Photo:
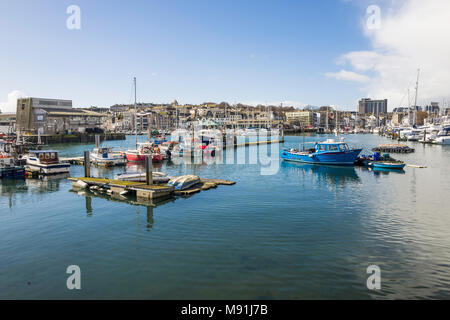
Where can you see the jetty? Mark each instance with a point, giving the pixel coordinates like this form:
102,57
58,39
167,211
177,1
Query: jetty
141,189
254,143
73,160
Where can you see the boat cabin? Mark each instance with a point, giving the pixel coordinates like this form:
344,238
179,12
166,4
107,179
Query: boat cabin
102,152
331,145
44,156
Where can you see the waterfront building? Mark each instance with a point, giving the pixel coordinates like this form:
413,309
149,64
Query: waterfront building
369,106
54,116
7,122
304,119
433,108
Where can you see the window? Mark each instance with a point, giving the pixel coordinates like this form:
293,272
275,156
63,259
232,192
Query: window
322,147
332,147
40,118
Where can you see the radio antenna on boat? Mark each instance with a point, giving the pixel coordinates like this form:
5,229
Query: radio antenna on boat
135,114
415,99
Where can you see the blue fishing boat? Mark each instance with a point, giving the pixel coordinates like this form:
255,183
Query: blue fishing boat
327,152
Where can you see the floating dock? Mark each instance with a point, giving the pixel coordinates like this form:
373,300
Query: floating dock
393,148
73,160
141,189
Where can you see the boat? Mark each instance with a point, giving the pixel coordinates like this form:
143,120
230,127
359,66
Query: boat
443,137
327,152
105,156
8,169
387,164
45,162
184,182
158,177
144,149
414,135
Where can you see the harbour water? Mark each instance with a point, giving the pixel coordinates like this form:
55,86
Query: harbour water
305,232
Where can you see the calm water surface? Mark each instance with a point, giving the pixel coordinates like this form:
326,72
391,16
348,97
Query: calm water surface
305,232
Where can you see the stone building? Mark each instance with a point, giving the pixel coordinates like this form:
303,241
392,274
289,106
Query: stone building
54,116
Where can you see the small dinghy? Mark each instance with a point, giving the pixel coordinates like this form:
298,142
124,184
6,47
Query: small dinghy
158,177
387,164
184,182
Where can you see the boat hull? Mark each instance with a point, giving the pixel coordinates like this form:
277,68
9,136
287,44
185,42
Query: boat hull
345,158
108,162
12,172
50,169
133,157
387,166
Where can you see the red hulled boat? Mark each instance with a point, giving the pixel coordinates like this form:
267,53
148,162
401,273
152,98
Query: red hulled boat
144,150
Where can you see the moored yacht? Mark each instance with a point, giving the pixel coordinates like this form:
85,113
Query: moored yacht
107,157
8,167
46,162
144,149
443,137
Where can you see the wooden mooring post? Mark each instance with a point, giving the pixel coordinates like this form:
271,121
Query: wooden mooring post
97,141
148,170
87,169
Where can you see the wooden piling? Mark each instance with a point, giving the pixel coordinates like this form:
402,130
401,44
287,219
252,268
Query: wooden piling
87,169
148,170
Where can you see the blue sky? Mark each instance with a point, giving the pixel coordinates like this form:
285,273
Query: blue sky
193,51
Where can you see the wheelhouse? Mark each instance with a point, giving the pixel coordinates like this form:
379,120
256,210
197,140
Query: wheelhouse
331,147
44,156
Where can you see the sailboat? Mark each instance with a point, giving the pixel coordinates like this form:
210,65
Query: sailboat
142,150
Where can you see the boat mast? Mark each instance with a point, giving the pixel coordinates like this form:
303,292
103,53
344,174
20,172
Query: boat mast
135,114
415,100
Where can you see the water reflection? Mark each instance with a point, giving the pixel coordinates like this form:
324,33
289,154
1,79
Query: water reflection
150,204
338,175
12,188
384,171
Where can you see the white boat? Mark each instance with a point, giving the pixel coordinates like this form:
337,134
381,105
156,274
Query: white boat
184,182
46,162
105,156
415,135
158,177
443,137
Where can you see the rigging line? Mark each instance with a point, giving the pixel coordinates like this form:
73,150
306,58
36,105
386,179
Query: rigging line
409,85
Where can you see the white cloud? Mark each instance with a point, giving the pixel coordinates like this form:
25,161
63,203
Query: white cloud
347,75
11,104
413,34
